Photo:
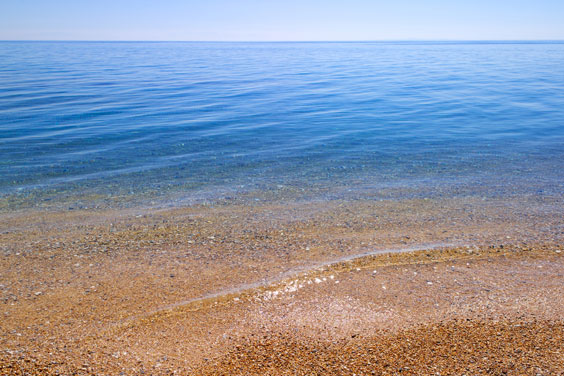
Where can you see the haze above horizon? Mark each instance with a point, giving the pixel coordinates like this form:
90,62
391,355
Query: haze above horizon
291,20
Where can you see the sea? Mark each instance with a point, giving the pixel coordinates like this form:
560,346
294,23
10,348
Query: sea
93,125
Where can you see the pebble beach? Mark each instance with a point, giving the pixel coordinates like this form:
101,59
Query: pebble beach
181,291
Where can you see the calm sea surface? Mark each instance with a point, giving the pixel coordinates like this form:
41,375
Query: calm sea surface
109,124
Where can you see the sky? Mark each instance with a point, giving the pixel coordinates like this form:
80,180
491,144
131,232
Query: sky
281,20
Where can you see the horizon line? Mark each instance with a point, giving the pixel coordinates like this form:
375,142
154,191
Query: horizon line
294,41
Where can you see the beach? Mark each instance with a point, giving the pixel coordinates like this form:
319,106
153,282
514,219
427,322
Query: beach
282,208
302,288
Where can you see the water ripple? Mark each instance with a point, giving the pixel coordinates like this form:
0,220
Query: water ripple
77,116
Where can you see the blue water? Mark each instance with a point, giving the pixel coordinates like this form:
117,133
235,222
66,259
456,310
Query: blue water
103,123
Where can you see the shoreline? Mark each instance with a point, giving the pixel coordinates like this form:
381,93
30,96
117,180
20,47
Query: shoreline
266,323
121,291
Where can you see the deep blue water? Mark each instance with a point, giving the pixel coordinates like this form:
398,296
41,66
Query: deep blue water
111,121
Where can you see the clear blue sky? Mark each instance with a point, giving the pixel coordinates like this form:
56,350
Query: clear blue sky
250,20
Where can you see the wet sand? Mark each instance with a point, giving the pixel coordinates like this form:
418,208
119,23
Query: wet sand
301,288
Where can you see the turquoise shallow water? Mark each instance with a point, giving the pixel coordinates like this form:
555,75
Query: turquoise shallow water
99,124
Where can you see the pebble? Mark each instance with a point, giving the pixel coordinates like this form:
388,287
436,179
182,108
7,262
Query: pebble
453,348
144,244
